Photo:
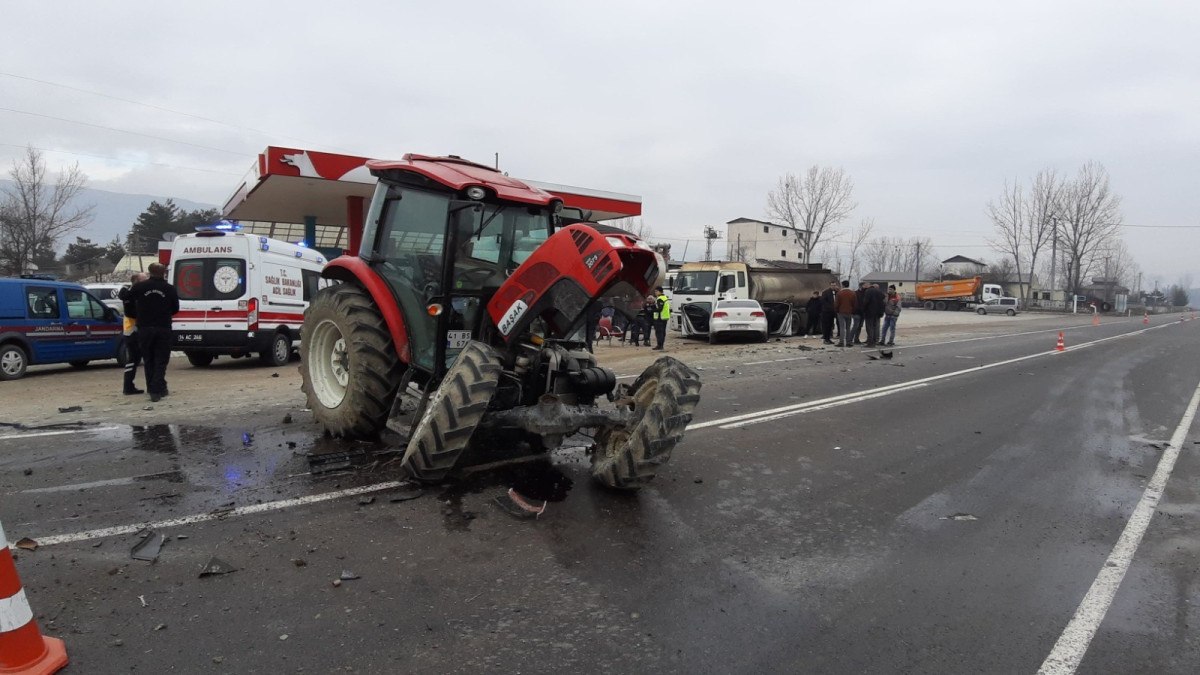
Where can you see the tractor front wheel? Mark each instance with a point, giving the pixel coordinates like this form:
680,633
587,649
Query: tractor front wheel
662,400
348,362
452,413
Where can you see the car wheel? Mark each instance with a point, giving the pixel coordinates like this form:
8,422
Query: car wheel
13,362
1011,312
279,353
981,311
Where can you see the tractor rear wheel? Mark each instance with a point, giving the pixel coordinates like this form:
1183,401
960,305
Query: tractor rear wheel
348,362
452,413
662,400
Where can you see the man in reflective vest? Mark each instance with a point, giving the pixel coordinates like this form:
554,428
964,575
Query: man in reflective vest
662,314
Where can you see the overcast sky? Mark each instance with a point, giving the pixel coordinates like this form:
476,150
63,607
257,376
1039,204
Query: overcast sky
698,107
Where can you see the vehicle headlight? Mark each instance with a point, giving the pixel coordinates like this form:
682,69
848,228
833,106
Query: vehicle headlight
615,242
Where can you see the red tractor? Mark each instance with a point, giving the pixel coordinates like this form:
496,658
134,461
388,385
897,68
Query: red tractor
469,298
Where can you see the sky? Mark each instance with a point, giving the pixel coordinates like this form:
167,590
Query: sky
698,107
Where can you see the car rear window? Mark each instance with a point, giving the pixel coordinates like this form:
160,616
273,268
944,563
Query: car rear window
745,304
210,278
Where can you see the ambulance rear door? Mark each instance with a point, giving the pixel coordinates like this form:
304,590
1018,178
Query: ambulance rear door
212,277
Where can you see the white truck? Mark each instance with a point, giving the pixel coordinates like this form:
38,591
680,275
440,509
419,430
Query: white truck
782,289
241,294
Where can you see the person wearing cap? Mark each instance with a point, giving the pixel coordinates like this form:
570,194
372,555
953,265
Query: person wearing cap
155,301
662,314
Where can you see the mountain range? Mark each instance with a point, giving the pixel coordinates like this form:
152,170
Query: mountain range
113,213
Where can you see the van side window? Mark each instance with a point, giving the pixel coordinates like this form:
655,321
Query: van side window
80,305
43,302
312,284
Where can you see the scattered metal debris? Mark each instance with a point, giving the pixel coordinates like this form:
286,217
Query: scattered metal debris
347,575
149,547
216,566
517,506
71,409
959,516
27,544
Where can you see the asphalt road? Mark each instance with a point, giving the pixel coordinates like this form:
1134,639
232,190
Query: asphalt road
943,511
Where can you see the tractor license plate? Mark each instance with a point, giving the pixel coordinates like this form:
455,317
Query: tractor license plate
457,339
738,326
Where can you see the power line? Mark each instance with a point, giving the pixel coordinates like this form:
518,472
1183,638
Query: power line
1169,227
239,153
119,159
164,109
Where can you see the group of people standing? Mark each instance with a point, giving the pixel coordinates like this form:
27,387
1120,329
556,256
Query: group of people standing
641,319
850,311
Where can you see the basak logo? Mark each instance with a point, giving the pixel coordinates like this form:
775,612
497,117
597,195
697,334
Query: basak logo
187,250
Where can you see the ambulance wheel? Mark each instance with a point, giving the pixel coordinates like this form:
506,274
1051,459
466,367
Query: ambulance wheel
123,353
452,413
199,359
13,362
348,362
80,364
280,351
661,401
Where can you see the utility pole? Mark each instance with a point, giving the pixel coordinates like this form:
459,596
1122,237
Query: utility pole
497,161
1053,251
1107,282
710,234
917,265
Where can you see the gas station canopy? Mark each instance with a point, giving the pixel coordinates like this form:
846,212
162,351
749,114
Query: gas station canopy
289,185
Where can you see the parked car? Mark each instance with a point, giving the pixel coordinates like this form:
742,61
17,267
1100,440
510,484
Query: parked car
45,321
999,306
744,318
107,293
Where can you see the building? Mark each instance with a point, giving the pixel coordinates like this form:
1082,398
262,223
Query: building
904,281
964,267
750,239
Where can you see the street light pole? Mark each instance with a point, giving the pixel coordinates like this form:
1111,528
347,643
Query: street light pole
1053,251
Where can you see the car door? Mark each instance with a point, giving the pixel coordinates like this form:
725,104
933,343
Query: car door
89,335
47,333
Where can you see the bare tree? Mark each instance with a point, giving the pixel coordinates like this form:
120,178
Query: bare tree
34,216
893,254
1003,271
1040,213
1089,218
635,226
858,236
813,203
1008,216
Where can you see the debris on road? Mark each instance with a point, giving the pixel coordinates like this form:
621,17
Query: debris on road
216,566
142,598
299,562
959,516
247,439
287,419
149,547
161,626
27,544
517,506
408,493
28,472
71,409
364,501
347,575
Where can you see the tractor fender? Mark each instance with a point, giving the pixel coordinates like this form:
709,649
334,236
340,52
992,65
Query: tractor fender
355,270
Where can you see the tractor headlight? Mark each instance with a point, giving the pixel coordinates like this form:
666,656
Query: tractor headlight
476,193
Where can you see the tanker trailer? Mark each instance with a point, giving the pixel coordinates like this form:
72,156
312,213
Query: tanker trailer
781,288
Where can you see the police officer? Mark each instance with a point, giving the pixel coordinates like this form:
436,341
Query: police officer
155,302
133,350
662,314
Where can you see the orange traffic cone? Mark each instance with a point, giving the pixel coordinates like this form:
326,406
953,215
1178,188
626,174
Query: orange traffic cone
1060,346
1095,319
23,649
1146,319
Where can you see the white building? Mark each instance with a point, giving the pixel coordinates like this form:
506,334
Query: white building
750,239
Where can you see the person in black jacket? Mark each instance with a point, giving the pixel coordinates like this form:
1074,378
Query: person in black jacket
828,311
155,302
873,302
133,350
813,311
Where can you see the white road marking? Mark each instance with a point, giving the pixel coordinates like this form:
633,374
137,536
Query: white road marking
126,480
81,430
854,397
1067,653
794,358
218,515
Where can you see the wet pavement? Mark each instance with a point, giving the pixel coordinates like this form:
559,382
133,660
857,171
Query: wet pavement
953,526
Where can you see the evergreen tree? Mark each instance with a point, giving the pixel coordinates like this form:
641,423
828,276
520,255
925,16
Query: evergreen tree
114,251
151,225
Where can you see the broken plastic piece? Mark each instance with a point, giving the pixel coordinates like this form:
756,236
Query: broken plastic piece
517,506
347,575
959,516
216,566
149,547
70,409
27,544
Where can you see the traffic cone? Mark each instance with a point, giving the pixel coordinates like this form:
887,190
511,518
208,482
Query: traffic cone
1060,346
1146,319
1095,319
23,648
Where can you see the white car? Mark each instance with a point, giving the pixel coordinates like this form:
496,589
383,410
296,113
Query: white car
999,306
737,317
107,293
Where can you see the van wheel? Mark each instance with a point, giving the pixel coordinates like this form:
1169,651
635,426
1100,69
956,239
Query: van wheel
13,362
279,353
981,311
1011,312
199,359
80,364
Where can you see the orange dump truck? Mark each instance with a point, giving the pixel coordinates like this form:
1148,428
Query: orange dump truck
956,294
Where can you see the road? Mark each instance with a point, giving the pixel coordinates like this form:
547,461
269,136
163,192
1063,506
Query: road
947,510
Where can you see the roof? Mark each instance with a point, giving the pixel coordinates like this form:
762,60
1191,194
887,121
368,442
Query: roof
739,221
964,259
457,173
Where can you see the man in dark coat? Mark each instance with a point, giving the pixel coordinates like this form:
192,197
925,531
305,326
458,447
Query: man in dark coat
812,310
155,302
828,311
872,309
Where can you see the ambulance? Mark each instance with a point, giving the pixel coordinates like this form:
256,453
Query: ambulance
241,294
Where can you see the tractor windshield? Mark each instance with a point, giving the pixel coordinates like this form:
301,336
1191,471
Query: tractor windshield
500,238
